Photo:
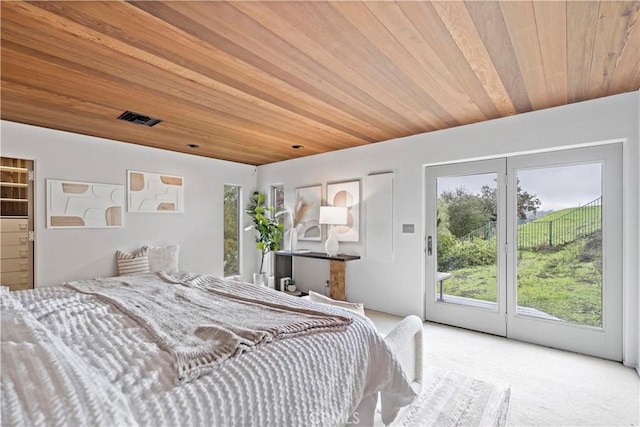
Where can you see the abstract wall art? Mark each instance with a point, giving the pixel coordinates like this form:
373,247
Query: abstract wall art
346,194
73,204
155,192
307,213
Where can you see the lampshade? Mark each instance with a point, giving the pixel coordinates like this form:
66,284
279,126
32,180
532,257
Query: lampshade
333,215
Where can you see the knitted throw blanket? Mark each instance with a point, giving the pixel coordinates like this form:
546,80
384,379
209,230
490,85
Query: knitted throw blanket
203,326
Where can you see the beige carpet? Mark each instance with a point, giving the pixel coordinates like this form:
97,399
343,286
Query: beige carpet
548,387
450,399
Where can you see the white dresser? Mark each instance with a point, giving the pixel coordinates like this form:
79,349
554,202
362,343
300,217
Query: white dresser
14,253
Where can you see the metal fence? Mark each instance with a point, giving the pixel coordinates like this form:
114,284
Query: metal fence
567,228
485,232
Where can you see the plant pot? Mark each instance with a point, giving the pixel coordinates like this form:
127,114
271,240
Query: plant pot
291,288
259,278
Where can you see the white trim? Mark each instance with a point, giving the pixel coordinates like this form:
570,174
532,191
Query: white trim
631,253
527,152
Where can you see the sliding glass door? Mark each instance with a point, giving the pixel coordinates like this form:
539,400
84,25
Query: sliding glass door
529,247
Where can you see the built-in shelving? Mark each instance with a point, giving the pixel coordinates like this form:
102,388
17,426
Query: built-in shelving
6,199
14,187
13,169
16,223
13,184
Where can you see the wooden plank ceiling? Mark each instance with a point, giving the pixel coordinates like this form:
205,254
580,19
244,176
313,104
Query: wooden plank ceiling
247,80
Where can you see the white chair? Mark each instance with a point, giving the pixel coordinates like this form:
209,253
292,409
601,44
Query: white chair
405,340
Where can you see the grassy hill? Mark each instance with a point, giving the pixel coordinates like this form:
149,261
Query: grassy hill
559,266
555,228
551,216
560,227
565,283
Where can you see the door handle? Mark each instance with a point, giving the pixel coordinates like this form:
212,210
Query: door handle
429,246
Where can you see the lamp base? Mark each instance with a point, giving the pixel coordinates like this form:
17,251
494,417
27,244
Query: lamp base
331,245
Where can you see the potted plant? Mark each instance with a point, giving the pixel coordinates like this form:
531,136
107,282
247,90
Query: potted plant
291,286
296,219
269,230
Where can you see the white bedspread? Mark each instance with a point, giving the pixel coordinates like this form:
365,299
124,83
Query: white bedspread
202,339
45,383
309,380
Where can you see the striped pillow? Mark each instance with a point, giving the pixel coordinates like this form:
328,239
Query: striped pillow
135,263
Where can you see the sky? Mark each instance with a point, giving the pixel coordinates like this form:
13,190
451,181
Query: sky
557,187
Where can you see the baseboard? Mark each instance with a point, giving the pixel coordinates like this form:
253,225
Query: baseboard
636,367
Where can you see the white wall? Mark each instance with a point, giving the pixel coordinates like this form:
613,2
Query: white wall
397,287
71,254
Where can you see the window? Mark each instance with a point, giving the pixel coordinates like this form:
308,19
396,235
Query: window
231,230
277,201
277,198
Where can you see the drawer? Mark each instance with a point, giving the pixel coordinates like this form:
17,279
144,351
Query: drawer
17,238
14,224
14,251
18,278
16,264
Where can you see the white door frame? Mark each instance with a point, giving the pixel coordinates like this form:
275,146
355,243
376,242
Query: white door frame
480,319
605,342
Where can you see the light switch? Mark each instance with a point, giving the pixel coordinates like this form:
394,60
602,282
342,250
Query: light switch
408,228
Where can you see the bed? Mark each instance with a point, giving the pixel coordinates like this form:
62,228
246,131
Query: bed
72,356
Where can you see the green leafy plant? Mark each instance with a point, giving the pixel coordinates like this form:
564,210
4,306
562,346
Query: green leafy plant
462,254
269,229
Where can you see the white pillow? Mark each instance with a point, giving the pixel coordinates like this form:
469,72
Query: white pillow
355,307
132,263
163,258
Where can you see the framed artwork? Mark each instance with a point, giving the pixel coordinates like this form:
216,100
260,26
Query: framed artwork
346,194
155,192
73,204
307,213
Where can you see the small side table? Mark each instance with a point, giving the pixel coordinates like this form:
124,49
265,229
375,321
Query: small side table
337,270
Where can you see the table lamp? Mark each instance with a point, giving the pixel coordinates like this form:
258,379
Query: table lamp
332,216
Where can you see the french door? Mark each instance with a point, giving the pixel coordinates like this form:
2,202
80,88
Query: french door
529,247
458,219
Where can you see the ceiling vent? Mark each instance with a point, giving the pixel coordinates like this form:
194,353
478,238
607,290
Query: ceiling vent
139,119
